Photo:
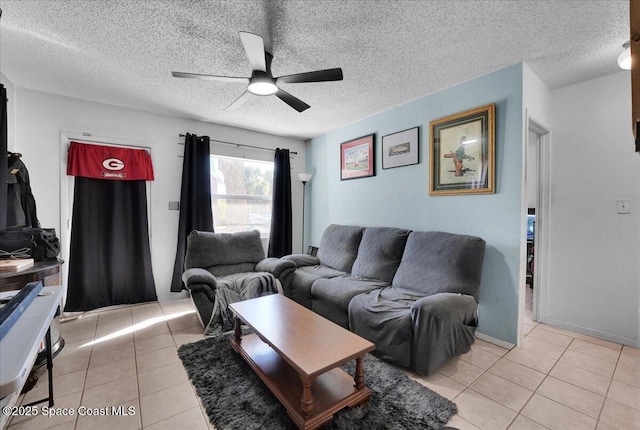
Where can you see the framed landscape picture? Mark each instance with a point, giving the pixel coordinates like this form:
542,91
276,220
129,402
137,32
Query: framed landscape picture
462,148
357,158
400,149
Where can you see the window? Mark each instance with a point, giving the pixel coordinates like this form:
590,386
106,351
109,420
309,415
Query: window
241,195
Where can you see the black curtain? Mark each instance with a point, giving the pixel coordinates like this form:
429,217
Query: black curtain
195,199
109,259
280,236
3,150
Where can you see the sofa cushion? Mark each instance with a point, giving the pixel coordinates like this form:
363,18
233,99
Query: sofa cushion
340,290
437,262
206,249
380,252
339,246
297,285
331,297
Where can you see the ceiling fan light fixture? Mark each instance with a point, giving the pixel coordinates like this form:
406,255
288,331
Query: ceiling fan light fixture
262,87
624,60
262,82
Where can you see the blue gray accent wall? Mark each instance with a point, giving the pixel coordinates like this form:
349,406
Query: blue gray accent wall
399,197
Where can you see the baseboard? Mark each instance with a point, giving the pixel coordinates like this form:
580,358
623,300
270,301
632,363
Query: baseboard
493,340
184,294
622,340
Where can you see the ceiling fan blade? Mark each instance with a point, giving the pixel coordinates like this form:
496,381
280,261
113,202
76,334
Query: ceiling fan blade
317,76
239,101
254,47
292,101
210,77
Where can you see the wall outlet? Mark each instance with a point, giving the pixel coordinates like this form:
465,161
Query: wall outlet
624,206
174,206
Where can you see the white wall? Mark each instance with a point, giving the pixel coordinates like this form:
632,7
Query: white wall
594,270
536,96
42,117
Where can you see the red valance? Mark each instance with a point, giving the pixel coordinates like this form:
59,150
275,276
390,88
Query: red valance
109,162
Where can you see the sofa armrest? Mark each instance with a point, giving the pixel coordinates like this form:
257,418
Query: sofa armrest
444,325
200,283
275,266
195,276
302,260
457,307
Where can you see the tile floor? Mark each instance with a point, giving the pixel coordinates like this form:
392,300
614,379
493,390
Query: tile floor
555,380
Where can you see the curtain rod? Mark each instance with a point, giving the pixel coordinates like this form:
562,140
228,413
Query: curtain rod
239,144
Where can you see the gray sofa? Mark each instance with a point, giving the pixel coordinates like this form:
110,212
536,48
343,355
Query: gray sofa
414,294
223,268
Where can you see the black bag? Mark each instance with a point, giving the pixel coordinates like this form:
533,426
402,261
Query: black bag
28,242
47,244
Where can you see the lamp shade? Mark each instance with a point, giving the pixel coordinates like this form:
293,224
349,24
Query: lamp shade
624,60
305,177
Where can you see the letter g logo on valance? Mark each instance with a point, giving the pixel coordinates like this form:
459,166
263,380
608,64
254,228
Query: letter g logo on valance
113,164
90,160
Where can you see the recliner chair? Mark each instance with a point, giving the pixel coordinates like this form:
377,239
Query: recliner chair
223,268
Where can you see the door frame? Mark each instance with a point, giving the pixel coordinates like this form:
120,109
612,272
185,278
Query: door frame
541,237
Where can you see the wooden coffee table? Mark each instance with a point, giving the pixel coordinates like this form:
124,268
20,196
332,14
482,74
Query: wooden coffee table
297,354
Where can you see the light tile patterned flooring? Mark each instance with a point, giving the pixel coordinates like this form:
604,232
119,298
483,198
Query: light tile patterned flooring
555,380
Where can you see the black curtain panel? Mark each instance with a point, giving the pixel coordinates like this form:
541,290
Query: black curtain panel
280,238
195,199
109,259
3,150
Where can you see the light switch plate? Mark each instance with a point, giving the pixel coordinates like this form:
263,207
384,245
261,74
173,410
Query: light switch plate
624,206
174,206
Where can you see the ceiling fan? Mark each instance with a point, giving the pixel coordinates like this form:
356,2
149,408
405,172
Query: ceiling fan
262,82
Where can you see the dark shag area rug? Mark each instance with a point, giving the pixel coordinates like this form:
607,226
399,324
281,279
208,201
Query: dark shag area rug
236,398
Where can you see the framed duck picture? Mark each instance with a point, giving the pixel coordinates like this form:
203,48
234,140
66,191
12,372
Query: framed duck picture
462,149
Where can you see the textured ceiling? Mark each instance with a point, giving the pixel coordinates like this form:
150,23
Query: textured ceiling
122,52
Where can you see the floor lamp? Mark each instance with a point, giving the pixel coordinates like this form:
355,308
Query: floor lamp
304,178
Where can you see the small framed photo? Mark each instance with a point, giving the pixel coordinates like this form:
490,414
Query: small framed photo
400,149
462,148
357,158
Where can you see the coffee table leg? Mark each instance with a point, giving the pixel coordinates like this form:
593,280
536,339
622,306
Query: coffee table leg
238,330
306,403
359,378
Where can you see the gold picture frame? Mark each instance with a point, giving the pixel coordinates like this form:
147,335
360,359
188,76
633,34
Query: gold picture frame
462,152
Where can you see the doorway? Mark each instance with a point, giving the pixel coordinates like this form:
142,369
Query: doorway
67,191
537,210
